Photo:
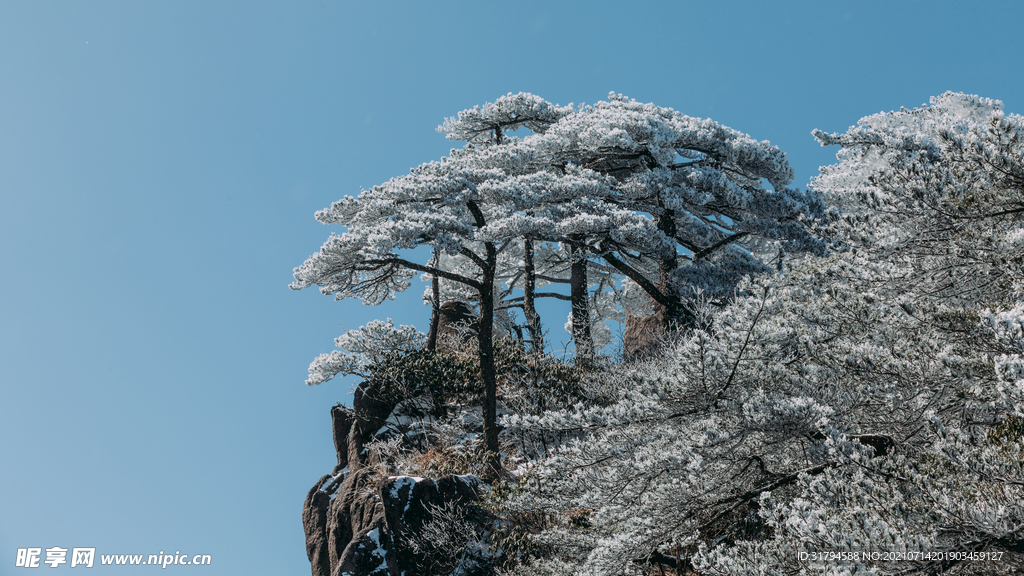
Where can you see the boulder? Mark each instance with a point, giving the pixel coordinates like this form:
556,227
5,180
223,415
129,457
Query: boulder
642,334
407,503
366,555
456,323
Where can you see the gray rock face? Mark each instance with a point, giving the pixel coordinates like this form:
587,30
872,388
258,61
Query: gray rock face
314,522
340,512
355,509
365,555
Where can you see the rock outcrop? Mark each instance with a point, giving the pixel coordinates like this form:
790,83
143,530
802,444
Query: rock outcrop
355,529
354,523
341,425
642,334
359,524
408,504
456,324
314,522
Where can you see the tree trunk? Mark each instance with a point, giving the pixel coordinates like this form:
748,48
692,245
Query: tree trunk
488,373
532,318
485,337
435,312
669,314
580,302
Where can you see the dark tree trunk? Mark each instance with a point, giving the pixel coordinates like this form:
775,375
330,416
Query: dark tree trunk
532,318
669,314
488,373
580,302
435,305
667,224
488,266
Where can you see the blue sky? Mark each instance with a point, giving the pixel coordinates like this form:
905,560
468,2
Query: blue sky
160,164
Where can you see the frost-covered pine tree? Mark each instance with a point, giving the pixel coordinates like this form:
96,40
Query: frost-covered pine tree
550,203
710,204
857,414
439,204
668,201
466,206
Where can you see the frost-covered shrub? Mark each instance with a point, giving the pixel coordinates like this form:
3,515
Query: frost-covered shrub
361,349
454,540
534,382
444,378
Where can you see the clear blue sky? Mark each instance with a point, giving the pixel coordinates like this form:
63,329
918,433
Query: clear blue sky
160,163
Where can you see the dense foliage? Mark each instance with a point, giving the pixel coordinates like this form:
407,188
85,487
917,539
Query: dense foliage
854,414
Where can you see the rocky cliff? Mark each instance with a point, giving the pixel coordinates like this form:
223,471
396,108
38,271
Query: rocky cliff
360,523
